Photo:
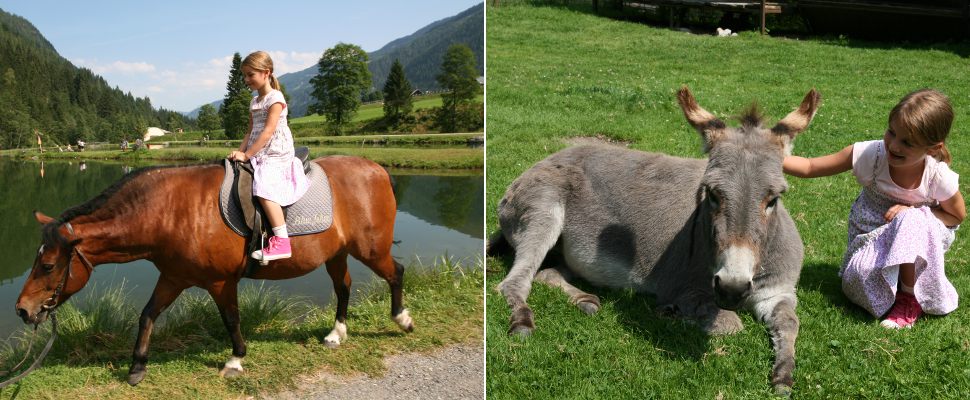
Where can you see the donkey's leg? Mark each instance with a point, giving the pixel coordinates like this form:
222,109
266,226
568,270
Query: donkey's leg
532,242
337,268
698,305
559,277
164,294
225,294
778,313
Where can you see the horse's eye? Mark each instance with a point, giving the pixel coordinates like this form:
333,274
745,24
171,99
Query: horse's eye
48,267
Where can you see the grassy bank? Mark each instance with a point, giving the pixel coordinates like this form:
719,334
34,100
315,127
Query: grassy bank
556,73
413,154
284,336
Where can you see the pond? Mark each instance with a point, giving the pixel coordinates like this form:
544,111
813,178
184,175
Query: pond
438,215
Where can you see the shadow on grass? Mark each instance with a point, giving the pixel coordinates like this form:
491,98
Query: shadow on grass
823,278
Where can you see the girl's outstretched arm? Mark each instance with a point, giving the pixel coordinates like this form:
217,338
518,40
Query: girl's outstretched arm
951,211
831,164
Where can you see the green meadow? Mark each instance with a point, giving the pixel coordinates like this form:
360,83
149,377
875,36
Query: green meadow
556,73
284,336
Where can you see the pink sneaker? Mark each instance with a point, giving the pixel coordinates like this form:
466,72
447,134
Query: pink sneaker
278,248
904,313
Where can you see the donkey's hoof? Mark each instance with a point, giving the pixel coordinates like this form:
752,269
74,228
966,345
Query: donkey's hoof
331,344
135,377
588,308
520,330
589,303
782,390
230,372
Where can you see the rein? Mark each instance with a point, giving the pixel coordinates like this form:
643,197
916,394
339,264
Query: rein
50,306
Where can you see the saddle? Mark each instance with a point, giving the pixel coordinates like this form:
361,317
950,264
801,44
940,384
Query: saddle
241,211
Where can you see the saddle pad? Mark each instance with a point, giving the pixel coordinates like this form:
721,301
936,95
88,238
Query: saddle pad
313,213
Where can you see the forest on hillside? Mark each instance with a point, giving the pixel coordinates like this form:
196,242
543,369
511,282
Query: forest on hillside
45,94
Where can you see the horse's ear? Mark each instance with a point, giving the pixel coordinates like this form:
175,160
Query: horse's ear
710,127
43,219
796,122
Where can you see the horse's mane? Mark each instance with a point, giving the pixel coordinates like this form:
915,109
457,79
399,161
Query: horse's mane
50,232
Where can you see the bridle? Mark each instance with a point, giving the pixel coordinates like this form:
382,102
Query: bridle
51,303
49,306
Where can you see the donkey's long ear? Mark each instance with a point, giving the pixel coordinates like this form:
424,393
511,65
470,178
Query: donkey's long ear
796,122
43,219
710,127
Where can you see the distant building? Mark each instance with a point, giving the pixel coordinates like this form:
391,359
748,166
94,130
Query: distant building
416,92
154,132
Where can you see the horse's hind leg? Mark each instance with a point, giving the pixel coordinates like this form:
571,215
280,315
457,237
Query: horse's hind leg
393,272
337,268
225,294
559,278
164,294
531,242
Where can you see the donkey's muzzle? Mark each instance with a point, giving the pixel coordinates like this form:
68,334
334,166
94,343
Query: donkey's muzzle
730,295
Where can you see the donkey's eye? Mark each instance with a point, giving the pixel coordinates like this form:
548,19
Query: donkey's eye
771,203
713,198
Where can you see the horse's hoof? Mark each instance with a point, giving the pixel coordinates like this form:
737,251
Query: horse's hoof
404,321
783,390
135,377
230,372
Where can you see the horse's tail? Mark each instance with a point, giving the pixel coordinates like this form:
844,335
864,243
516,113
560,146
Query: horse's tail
497,245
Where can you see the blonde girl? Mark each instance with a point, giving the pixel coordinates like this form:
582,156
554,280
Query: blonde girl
905,216
278,178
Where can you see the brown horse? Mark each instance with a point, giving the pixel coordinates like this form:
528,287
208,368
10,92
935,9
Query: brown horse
170,216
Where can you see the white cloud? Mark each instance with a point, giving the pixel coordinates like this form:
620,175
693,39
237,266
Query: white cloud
286,62
124,67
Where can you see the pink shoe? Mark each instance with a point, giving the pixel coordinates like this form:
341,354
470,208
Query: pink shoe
278,248
904,313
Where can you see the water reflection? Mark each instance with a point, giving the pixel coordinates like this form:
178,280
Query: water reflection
437,215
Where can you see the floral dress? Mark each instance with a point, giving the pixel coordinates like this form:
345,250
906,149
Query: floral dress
870,266
277,173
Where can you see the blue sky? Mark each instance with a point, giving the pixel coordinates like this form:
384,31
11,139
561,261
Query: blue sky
178,53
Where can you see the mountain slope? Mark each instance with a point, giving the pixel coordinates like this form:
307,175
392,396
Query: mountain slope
420,53
45,93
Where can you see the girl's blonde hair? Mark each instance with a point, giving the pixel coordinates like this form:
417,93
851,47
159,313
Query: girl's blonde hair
260,61
926,116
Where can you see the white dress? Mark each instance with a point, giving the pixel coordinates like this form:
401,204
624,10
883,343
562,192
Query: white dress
277,174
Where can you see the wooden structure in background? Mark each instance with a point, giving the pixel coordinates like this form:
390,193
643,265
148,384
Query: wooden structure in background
753,7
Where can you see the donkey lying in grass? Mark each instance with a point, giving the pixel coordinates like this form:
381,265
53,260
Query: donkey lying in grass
706,237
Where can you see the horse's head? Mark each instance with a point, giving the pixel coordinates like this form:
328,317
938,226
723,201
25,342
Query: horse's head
741,188
59,271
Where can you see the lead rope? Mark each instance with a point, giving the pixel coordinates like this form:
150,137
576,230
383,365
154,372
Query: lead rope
40,358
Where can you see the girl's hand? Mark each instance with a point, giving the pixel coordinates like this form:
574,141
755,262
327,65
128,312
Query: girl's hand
894,210
237,155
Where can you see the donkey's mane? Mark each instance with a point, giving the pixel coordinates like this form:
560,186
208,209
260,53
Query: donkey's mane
751,117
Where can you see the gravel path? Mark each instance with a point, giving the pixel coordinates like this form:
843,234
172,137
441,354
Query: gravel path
455,372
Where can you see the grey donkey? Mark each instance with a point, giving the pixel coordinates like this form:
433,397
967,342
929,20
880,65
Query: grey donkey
706,237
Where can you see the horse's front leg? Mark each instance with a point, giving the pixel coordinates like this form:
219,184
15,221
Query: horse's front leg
165,293
225,295
778,314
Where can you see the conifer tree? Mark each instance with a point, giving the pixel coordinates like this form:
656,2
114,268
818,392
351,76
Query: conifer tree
235,106
397,95
458,79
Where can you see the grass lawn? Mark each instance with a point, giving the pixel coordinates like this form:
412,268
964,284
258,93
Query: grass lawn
284,336
556,73
373,110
